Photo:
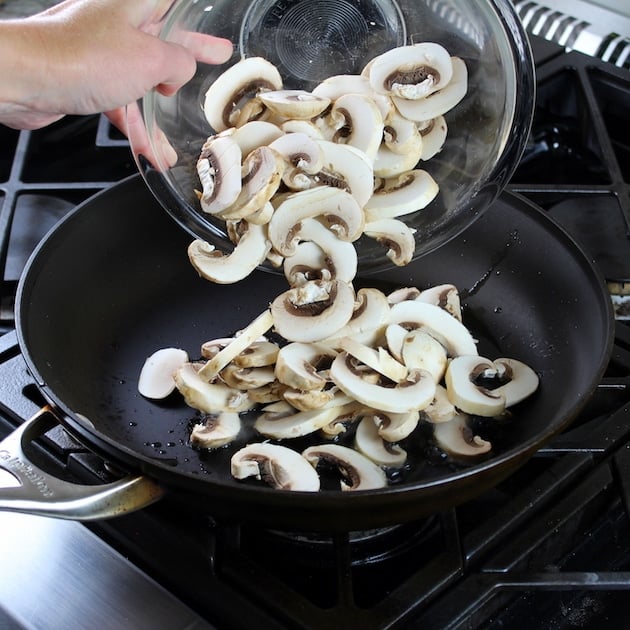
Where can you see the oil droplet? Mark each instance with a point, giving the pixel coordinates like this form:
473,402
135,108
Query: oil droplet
156,444
498,309
133,424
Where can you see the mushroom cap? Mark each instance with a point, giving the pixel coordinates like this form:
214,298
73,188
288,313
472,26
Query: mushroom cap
156,380
397,236
396,426
279,466
294,104
522,380
445,296
456,438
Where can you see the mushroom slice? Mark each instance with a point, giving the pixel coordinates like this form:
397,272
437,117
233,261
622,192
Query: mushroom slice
433,137
377,359
339,85
462,376
347,168
458,440
247,377
421,351
445,296
402,136
415,392
394,427
307,400
267,394
300,365
358,122
313,311
280,467
522,380
156,376
302,154
368,442
258,354
396,236
357,471
403,294
219,170
217,430
215,266
294,104
297,424
241,81
411,72
308,263
452,334
369,318
403,195
209,397
337,207
395,337
262,174
248,335
340,256
441,409
254,134
440,102
388,164
306,127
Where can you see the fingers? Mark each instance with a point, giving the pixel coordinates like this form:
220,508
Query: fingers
207,48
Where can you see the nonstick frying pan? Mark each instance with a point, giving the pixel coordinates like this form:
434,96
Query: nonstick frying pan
112,283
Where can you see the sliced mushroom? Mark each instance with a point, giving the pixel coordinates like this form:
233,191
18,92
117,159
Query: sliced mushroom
433,137
347,168
241,81
303,156
254,134
313,311
248,335
368,321
281,426
421,351
522,380
216,430
294,104
389,164
357,471
262,173
280,467
307,400
403,195
440,102
396,236
445,296
441,409
219,171
368,442
415,392
403,294
156,376
358,123
209,397
215,266
246,378
462,377
340,256
395,338
258,354
402,136
411,72
337,207
300,365
378,360
307,263
458,440
394,427
450,332
306,127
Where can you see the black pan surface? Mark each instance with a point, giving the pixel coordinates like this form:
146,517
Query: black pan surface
112,283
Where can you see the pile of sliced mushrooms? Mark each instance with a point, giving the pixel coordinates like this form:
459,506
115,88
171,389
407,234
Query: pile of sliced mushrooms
298,177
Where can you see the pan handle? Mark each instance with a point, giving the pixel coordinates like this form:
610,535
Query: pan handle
41,494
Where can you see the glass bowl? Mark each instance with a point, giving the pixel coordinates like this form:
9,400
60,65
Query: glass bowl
311,40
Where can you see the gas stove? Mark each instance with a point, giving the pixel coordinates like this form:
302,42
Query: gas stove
550,544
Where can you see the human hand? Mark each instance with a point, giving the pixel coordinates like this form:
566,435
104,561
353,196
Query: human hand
91,56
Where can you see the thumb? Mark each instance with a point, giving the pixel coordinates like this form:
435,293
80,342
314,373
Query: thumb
176,66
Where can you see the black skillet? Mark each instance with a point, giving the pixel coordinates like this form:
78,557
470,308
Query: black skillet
112,283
